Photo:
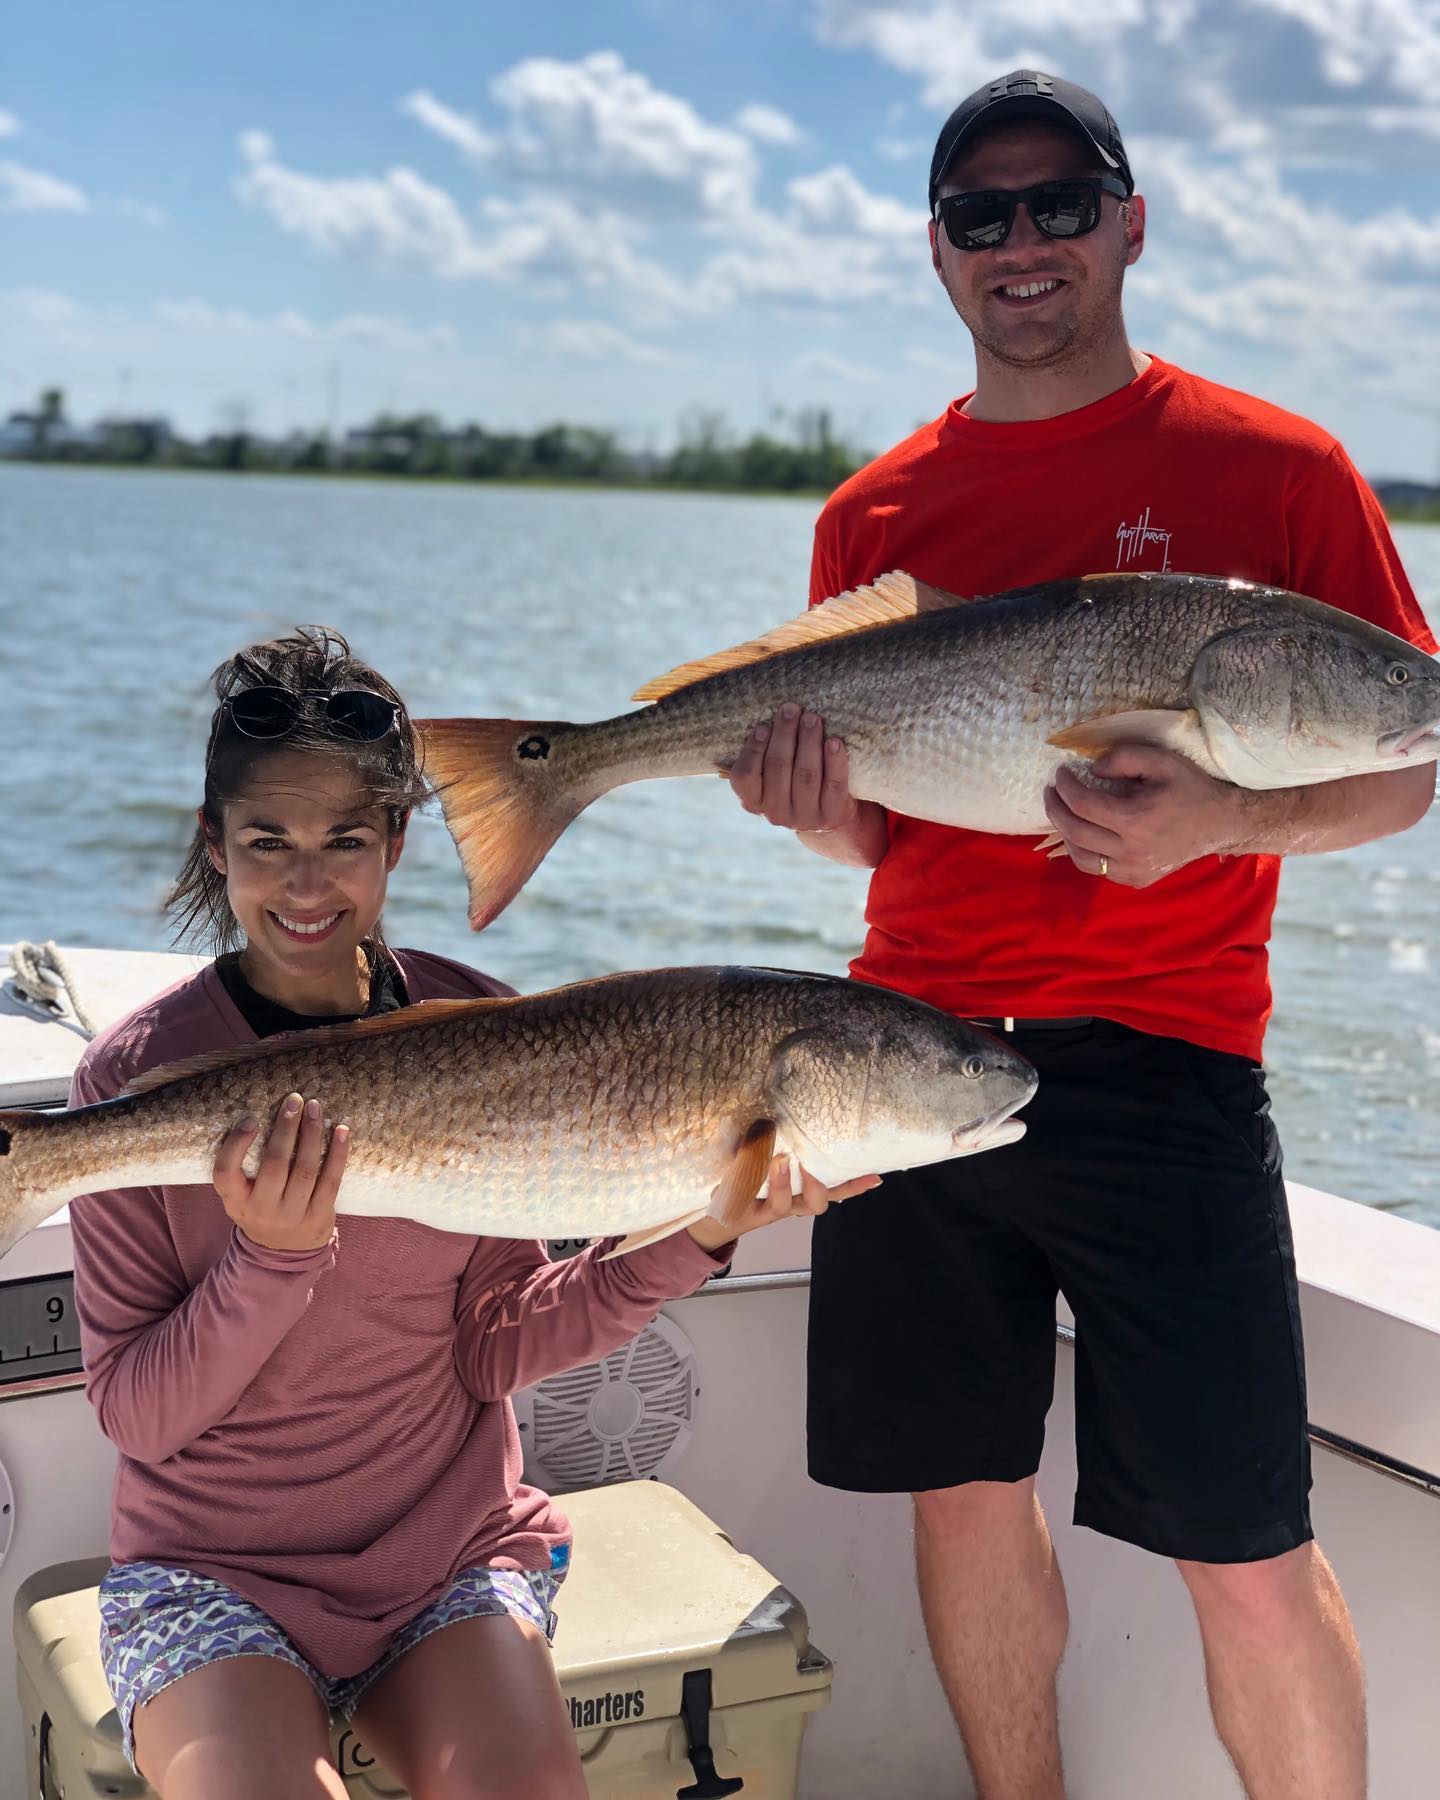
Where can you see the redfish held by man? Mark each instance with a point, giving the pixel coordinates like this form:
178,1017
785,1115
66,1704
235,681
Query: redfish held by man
961,711
631,1104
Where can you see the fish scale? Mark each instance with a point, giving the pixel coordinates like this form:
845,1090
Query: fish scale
602,1108
961,711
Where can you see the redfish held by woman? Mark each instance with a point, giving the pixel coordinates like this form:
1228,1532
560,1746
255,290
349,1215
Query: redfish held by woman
630,1104
960,712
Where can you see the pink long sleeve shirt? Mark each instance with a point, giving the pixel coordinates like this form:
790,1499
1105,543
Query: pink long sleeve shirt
328,1432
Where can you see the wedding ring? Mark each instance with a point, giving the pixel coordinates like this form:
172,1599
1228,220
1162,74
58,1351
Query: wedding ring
1104,865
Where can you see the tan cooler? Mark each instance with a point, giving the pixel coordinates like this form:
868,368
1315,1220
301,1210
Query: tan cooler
687,1668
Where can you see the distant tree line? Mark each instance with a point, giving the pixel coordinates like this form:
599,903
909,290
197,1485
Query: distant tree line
803,453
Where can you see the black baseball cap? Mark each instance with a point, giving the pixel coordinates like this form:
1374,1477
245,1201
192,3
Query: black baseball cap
1030,94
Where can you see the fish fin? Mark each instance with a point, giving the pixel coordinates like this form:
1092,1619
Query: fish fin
504,803
1169,728
652,1234
746,1175
888,599
407,1018
1051,841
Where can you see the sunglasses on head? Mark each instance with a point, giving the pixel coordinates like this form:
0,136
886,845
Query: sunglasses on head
1060,209
272,712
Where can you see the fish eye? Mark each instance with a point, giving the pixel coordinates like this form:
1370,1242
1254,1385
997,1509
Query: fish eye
1397,674
973,1066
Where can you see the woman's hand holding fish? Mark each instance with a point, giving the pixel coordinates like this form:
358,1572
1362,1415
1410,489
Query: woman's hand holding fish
1167,812
290,1205
795,776
777,1201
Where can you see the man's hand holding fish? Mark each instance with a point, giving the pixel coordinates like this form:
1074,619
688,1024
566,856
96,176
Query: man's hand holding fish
793,773
1148,811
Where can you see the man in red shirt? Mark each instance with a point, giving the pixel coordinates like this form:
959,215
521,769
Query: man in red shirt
1148,1186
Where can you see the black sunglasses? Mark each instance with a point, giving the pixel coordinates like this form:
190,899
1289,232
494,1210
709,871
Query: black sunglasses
1060,209
271,712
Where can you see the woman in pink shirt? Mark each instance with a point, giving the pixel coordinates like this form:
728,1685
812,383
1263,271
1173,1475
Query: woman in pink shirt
318,1507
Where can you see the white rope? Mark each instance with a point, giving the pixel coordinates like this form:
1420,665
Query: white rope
41,975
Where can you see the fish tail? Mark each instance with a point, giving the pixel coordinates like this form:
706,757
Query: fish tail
32,1179
508,788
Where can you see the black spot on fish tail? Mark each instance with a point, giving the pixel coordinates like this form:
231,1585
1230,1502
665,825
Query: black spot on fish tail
534,748
4,1141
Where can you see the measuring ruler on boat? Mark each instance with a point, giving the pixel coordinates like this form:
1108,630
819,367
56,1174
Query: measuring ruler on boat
39,1331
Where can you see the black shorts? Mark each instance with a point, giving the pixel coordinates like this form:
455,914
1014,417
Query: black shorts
1147,1189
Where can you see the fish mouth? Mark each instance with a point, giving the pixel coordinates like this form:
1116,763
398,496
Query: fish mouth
989,1134
1408,740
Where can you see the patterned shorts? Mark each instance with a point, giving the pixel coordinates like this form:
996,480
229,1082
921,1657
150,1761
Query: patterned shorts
158,1622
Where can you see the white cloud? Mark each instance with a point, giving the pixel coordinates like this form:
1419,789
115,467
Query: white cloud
456,128
1351,300
1280,228
768,125
401,220
1366,60
394,218
593,340
30,190
1396,41
550,241
838,246
779,263
607,167
597,125
357,328
835,200
9,124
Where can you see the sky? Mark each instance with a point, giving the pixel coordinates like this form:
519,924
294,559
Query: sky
624,212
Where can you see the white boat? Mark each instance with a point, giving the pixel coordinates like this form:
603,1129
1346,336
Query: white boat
713,1399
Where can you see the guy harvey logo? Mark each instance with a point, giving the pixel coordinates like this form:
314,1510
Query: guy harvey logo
607,1709
1138,542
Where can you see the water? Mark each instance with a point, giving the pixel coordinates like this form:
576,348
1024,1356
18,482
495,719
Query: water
120,591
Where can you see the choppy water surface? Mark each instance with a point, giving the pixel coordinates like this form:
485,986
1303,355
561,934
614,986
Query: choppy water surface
119,592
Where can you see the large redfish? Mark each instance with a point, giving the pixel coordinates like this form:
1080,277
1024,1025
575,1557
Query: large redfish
961,711
606,1107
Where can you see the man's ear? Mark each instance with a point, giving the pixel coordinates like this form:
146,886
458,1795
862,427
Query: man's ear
935,250
1134,228
216,850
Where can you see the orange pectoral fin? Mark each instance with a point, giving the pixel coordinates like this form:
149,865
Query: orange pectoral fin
746,1175
1167,728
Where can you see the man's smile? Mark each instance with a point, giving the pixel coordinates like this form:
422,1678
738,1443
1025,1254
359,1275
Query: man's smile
1028,291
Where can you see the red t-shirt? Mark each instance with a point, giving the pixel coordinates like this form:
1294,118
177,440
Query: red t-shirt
1171,472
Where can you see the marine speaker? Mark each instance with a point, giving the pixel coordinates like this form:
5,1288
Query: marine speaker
624,1418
